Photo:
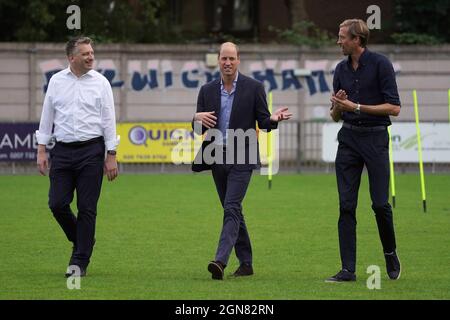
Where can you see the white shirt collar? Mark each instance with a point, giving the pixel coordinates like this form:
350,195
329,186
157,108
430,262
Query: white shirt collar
69,71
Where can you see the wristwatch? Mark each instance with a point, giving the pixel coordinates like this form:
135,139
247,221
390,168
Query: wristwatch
358,109
111,152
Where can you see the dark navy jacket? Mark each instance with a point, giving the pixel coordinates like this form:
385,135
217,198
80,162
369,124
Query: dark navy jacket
249,107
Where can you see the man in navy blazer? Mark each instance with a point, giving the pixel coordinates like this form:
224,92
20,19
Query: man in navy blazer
227,110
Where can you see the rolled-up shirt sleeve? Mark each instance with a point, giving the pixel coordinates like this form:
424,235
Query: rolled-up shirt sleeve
109,118
44,134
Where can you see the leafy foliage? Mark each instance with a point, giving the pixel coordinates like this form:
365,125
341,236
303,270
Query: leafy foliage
415,38
422,22
110,21
304,33
151,21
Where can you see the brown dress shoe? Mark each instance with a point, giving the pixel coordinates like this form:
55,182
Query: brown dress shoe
216,268
243,270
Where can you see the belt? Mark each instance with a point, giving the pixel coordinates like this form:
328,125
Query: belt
80,143
363,129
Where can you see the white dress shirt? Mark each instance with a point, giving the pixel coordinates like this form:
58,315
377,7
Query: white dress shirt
80,108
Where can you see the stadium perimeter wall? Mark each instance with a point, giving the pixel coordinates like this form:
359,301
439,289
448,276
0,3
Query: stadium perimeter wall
161,82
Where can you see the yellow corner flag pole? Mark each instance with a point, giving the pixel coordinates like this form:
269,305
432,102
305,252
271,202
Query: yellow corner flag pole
269,145
419,146
391,167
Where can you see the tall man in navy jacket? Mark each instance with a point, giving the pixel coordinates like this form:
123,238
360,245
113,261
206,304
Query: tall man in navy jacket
228,109
365,96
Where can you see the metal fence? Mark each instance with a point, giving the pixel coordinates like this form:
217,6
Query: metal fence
300,151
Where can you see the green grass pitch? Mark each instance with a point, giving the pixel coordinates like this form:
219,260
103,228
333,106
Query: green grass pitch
156,234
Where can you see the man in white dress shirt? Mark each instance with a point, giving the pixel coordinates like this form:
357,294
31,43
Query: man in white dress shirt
79,104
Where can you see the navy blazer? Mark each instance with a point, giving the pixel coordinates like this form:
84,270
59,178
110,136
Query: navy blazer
249,107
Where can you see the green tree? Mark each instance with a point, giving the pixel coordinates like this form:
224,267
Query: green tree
422,22
30,20
304,33
127,21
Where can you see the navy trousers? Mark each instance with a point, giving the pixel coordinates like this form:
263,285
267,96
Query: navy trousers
231,184
77,168
355,150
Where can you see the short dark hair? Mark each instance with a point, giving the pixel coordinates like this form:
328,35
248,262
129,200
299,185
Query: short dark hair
72,44
357,28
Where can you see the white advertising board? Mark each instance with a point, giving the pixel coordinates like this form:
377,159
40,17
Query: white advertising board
435,138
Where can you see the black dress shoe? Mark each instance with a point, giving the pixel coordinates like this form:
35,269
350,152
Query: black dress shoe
393,267
243,270
216,268
74,271
342,276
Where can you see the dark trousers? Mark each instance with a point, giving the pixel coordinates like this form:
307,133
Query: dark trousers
355,150
231,183
77,168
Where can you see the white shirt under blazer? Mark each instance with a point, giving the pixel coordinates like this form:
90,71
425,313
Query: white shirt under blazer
81,108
